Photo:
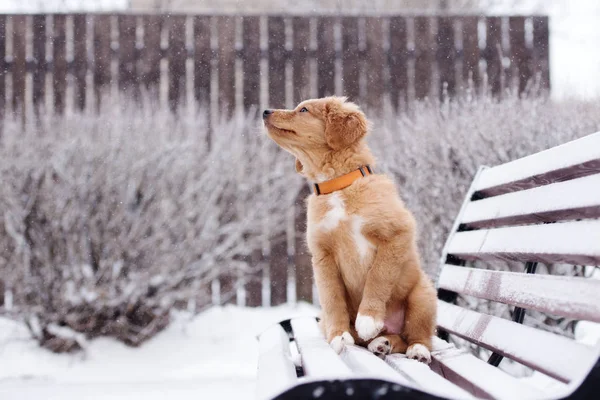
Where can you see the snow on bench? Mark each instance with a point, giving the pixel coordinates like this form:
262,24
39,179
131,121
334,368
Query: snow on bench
276,369
569,161
318,358
554,202
577,298
527,345
454,374
564,242
542,208
318,362
476,376
422,375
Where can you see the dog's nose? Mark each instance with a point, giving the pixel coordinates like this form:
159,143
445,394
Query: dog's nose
266,113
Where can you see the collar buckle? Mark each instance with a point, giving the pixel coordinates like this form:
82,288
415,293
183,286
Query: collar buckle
317,190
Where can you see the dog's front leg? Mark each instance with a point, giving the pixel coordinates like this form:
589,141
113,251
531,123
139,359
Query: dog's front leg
332,296
381,278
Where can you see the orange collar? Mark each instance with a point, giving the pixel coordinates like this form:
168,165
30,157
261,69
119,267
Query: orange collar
343,181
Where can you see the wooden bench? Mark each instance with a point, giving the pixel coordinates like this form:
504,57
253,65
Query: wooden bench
544,208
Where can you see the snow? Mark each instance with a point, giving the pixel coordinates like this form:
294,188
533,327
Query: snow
567,195
363,363
570,239
276,371
566,155
318,358
522,343
587,333
574,55
543,382
38,6
213,353
489,379
573,297
205,356
423,376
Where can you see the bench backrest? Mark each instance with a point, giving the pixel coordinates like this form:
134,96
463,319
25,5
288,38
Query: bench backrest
544,208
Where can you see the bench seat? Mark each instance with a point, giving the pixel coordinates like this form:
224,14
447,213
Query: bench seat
454,373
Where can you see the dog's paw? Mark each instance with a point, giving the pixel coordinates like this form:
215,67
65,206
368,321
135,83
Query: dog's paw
419,352
339,342
380,346
367,327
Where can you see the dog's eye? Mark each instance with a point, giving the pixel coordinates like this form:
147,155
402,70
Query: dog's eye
304,109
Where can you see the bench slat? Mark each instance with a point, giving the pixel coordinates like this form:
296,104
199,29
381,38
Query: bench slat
318,358
364,363
568,242
575,199
529,346
424,377
478,377
568,161
276,370
577,298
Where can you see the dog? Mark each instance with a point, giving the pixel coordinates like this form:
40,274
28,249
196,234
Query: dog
361,236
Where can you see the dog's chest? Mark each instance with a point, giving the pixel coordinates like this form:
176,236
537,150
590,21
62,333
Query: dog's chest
332,225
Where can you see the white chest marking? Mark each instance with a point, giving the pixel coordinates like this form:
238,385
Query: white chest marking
336,213
362,244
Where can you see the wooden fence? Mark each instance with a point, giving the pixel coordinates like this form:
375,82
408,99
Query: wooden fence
238,62
229,63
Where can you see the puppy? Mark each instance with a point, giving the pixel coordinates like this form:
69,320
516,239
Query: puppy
360,235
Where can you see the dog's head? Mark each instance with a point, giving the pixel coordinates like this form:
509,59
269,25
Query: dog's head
317,126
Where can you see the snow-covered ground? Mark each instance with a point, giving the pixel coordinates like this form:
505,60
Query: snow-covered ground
211,355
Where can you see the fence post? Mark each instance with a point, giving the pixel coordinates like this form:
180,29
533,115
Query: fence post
376,61
80,59
541,36
3,68
278,261
59,62
300,64
398,62
177,54
251,68
493,51
39,59
19,67
325,56
423,57
350,58
302,258
102,55
470,50
226,66
446,55
277,56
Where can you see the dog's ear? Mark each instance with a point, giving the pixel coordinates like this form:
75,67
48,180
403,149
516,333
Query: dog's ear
299,167
344,124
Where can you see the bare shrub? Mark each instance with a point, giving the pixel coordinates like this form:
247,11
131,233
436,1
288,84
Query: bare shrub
108,220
